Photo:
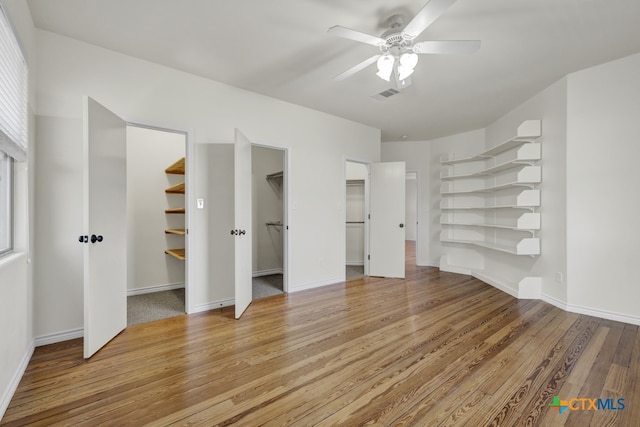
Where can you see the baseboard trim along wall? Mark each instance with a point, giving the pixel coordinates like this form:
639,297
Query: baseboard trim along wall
213,305
590,311
305,286
155,288
269,272
15,381
70,334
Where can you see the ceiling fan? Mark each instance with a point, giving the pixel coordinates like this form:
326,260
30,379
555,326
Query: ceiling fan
398,52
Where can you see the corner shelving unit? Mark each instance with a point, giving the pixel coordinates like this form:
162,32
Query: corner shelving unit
177,168
490,200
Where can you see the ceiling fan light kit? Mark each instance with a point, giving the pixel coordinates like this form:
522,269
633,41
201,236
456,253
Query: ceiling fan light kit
398,53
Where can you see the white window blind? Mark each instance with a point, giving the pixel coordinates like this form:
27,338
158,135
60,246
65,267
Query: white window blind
13,93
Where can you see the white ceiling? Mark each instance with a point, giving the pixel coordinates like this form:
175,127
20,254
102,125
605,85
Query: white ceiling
281,48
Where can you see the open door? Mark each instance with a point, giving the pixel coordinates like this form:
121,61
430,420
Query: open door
386,226
105,209
243,221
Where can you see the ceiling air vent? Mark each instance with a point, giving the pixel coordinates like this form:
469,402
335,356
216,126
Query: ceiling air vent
385,94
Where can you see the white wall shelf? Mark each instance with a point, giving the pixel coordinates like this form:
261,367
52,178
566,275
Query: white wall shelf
484,195
527,246
526,222
528,131
525,177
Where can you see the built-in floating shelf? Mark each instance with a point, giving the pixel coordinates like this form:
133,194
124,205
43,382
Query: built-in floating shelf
176,189
175,211
177,168
528,246
176,253
180,231
528,131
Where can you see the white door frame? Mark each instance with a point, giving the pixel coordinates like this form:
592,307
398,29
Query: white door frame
366,211
188,179
285,210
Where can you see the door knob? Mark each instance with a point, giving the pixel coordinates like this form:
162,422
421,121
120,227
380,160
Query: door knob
401,225
95,238
234,232
83,238
242,232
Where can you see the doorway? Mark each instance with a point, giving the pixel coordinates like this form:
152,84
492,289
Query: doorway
355,209
156,224
268,193
411,216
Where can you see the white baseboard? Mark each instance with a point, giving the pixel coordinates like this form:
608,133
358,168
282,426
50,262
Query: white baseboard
15,380
633,320
496,282
155,288
70,334
311,285
268,272
213,305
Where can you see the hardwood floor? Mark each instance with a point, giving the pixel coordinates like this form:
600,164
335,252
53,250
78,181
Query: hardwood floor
434,349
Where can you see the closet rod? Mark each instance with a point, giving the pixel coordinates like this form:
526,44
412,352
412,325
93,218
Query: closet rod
355,222
275,224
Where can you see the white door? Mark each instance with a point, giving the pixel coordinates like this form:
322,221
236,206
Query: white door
243,220
386,226
105,256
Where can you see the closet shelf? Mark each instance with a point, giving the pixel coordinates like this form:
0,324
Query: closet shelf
176,253
180,231
175,189
177,168
175,211
277,175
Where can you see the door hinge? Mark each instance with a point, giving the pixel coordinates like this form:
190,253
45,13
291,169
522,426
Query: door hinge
368,257
369,216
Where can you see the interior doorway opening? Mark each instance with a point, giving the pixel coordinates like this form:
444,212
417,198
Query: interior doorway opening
355,209
268,170
411,216
156,224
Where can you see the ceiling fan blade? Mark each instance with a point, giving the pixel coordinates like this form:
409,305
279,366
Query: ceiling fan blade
348,33
429,13
361,66
447,46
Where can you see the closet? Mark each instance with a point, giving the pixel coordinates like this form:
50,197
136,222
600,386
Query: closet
156,229
356,174
268,182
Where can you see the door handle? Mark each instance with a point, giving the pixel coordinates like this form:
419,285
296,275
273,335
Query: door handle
95,238
241,232
401,225
83,238
234,232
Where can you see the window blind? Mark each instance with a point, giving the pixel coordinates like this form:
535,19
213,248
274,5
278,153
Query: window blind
13,93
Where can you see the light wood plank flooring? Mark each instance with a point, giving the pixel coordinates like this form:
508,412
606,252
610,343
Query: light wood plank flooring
434,349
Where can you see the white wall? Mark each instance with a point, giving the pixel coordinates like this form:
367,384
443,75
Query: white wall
149,153
602,194
267,207
144,92
16,289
